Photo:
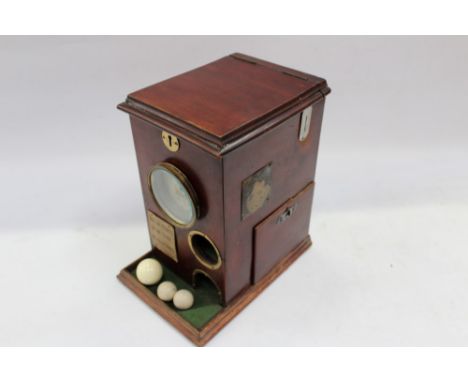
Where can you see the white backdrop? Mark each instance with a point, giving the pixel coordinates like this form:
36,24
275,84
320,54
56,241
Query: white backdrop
389,264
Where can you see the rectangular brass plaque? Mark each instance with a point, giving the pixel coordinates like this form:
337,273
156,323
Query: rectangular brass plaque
162,235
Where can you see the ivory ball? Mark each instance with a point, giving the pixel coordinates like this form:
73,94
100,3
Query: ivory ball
166,290
149,271
183,299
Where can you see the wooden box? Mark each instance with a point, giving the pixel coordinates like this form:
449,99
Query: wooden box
227,155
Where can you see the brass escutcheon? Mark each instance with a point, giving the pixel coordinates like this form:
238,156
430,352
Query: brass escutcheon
170,141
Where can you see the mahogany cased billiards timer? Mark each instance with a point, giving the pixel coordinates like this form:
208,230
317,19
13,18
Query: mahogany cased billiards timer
227,155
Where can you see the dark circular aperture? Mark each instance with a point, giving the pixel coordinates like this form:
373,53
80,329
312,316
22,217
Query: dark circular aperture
204,250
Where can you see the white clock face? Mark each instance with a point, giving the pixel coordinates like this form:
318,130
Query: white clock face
173,194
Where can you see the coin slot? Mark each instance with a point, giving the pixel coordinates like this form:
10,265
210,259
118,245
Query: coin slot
304,129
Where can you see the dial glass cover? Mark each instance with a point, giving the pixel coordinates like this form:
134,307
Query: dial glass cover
173,193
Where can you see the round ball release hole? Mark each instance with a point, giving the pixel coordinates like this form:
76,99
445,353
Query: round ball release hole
205,250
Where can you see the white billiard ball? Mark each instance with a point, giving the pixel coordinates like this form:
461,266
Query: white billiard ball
183,299
166,290
149,271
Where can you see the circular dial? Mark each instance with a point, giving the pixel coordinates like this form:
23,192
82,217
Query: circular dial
174,194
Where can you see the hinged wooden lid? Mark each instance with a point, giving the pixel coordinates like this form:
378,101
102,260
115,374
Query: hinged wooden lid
224,103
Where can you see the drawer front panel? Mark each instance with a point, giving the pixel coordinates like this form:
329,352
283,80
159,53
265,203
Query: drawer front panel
279,233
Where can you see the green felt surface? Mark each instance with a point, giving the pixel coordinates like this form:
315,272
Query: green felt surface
206,299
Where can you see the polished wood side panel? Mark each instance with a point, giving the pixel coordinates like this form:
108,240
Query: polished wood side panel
293,167
205,173
201,337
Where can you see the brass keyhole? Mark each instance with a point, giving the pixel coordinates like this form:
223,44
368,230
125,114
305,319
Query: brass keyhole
170,141
286,214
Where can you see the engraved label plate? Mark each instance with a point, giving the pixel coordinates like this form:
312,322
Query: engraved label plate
256,190
162,235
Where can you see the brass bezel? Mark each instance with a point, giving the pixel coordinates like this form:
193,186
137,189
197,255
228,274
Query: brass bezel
188,186
202,261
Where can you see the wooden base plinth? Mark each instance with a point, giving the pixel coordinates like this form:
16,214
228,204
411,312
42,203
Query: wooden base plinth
201,337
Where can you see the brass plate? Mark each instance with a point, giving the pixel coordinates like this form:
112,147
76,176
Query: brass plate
162,235
256,191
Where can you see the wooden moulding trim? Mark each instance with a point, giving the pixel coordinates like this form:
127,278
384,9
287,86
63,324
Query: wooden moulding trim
273,122
215,145
210,147
201,337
